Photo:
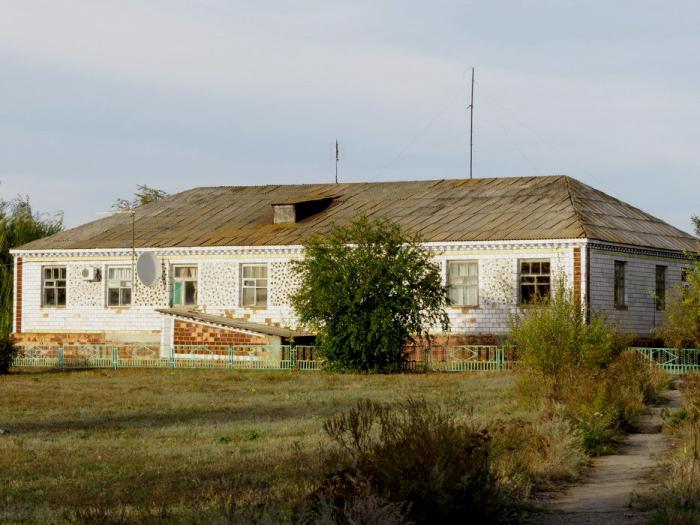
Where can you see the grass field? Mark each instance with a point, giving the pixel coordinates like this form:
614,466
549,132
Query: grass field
187,440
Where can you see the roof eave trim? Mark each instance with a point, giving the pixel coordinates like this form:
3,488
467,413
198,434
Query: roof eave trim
281,249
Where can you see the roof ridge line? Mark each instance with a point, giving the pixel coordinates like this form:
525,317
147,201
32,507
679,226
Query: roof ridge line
577,212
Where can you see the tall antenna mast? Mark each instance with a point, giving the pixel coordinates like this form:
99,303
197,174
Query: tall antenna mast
337,159
471,129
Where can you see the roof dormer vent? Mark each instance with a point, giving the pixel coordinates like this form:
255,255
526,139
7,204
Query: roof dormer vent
295,210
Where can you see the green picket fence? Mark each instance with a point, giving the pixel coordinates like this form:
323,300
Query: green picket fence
466,358
672,360
242,357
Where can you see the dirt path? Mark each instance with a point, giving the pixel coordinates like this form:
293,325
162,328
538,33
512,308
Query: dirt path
610,484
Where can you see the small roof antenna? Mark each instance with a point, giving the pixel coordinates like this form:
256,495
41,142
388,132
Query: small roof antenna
470,107
337,159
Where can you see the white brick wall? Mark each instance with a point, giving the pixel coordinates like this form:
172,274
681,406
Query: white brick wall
641,316
219,287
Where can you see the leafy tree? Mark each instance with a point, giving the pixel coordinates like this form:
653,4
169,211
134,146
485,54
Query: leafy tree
681,327
18,225
143,195
696,223
369,289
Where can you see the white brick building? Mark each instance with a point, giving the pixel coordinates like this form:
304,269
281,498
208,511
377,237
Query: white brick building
223,272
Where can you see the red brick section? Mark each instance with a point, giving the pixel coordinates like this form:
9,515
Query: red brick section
577,275
18,303
198,334
71,338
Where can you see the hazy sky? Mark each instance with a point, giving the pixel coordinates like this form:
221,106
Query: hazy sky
98,96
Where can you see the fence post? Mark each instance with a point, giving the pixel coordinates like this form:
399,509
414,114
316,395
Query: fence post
293,357
115,357
61,363
230,357
171,356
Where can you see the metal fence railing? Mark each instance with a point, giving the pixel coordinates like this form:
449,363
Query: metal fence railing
241,357
672,360
248,357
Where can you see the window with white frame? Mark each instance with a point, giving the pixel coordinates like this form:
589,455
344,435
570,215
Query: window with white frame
119,286
53,286
535,280
254,285
463,282
184,285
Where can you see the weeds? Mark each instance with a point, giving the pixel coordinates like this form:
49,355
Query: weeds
581,366
679,501
413,455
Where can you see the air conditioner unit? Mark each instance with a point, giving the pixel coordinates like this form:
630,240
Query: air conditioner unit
91,274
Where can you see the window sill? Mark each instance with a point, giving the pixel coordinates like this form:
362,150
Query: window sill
53,307
254,307
109,307
622,307
464,309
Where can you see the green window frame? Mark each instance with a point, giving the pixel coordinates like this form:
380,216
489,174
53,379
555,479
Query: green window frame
184,289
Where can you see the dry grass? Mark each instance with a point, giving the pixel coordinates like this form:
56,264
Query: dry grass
187,440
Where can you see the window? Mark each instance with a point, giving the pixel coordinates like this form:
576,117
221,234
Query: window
684,275
184,285
254,285
54,286
660,288
535,280
463,282
118,286
620,284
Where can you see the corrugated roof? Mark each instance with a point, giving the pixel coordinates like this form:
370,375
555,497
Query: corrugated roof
520,208
241,324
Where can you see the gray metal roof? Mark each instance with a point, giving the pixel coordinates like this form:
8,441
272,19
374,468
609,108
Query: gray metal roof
241,324
519,208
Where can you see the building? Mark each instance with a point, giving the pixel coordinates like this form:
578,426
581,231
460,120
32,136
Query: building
223,259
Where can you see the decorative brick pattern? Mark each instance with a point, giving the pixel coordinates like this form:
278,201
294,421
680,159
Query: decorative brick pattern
155,295
283,281
80,292
186,333
218,285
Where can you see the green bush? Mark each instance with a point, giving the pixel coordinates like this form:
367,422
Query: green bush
7,354
583,366
414,455
555,343
369,289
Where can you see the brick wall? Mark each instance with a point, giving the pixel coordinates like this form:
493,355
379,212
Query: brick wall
18,295
577,275
186,333
219,290
639,317
68,338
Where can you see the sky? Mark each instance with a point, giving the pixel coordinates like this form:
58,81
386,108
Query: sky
97,97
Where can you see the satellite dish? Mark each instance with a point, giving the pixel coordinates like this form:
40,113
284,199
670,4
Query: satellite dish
147,266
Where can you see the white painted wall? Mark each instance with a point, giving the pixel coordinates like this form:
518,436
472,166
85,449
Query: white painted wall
219,287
